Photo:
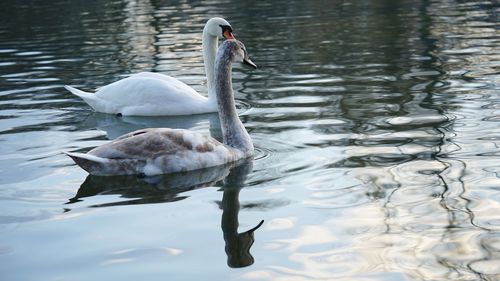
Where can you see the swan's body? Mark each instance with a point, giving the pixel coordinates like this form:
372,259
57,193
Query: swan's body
153,94
147,94
161,151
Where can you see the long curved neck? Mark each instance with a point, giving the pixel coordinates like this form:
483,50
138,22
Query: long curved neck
210,44
233,132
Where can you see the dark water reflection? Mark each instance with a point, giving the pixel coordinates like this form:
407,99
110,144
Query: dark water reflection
375,124
169,188
158,189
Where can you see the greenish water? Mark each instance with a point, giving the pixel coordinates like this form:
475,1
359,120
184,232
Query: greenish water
376,126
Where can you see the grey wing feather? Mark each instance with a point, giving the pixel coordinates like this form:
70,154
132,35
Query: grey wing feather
146,144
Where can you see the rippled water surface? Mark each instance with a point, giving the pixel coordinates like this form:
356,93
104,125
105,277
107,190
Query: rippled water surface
376,126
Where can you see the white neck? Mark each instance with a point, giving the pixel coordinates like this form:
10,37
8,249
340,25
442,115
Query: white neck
233,131
210,44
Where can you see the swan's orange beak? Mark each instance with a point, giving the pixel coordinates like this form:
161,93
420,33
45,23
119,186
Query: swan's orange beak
228,34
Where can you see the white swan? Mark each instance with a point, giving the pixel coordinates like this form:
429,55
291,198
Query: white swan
161,151
153,94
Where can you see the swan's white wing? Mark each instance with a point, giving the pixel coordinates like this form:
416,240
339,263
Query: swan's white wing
149,90
152,94
155,75
166,78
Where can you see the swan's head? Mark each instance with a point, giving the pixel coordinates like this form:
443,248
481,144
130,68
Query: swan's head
220,28
239,52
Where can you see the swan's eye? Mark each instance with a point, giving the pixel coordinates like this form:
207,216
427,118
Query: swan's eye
227,31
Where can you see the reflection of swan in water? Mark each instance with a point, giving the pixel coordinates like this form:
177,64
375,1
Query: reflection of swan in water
156,189
168,188
237,244
115,126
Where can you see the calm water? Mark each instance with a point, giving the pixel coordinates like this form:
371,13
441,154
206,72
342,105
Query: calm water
376,124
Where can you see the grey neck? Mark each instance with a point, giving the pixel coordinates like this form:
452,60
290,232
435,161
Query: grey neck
209,44
233,131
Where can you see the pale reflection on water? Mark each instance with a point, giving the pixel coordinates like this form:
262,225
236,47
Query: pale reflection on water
375,125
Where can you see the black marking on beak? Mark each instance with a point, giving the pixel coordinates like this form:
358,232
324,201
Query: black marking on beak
227,31
250,63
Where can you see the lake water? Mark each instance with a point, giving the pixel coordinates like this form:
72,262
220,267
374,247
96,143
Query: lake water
376,126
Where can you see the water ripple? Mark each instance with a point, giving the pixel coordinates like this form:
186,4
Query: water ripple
375,127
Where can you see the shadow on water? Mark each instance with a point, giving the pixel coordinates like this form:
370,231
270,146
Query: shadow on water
115,126
169,188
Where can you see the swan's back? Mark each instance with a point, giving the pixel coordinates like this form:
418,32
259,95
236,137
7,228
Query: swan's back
151,94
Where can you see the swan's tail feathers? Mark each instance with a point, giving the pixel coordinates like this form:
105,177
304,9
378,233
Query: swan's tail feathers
90,163
80,93
89,98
